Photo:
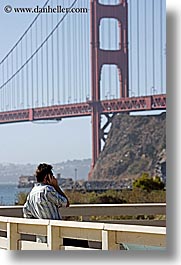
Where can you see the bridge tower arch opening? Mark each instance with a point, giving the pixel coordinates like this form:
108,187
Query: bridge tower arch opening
110,82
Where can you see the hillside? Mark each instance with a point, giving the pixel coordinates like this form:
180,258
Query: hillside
135,144
10,172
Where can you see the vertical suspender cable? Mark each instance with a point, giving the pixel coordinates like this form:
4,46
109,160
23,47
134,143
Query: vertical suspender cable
74,57
145,17
138,49
78,60
52,54
22,77
82,54
42,65
16,85
109,48
37,71
80,44
12,92
58,63
103,76
161,57
47,63
32,75
82,57
6,92
68,57
71,59
3,88
63,61
153,47
75,64
14,63
0,89
87,57
27,85
130,48
116,69
67,71
63,58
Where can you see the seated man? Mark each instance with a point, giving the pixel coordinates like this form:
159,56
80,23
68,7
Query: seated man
46,197
44,201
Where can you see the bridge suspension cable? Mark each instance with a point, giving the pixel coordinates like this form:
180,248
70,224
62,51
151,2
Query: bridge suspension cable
23,35
37,50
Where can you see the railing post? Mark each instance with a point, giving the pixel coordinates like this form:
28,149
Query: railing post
54,241
13,236
109,240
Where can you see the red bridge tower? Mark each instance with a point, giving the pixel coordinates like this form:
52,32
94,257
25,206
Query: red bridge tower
99,57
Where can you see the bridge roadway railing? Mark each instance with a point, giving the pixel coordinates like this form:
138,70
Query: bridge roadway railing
154,102
17,233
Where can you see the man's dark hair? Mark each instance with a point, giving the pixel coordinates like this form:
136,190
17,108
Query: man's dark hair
43,170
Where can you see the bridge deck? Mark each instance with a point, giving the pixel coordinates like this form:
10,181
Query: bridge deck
85,109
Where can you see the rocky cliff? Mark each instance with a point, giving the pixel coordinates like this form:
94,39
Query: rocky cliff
135,144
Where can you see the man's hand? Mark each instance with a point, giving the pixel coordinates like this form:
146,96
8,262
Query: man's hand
68,203
51,180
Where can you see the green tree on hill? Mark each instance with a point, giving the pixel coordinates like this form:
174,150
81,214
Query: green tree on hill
148,184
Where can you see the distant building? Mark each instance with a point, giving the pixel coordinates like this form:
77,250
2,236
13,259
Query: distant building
29,181
26,181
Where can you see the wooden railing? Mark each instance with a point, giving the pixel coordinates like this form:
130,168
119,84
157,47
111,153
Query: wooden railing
154,213
17,233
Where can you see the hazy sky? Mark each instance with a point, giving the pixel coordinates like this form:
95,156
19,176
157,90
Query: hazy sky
30,142
33,142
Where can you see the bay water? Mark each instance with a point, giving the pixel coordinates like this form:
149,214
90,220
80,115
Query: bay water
9,193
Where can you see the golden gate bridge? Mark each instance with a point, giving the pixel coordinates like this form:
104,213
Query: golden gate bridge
103,58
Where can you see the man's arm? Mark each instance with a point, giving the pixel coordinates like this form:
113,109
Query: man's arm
53,182
26,212
57,188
